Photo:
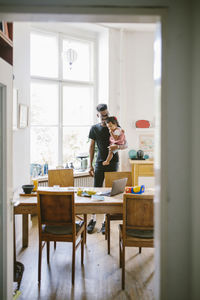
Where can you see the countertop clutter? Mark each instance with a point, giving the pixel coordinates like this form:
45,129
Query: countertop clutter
77,173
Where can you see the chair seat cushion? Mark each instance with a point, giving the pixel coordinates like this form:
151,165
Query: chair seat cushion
65,229
145,234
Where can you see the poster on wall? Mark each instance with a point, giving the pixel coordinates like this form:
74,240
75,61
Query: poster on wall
146,143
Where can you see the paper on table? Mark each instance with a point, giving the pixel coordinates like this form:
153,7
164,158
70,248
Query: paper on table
97,197
72,188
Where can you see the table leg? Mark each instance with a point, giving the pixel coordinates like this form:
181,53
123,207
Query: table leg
25,231
85,221
14,242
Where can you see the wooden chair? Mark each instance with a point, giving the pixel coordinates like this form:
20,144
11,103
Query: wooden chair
63,178
56,222
138,225
109,178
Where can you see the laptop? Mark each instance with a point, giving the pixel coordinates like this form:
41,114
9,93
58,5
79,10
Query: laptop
118,187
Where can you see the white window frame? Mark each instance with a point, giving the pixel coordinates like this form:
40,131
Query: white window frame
63,82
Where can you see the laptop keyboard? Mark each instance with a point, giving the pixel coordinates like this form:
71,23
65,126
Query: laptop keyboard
104,193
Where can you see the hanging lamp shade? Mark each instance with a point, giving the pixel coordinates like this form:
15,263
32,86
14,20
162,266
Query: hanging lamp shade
71,55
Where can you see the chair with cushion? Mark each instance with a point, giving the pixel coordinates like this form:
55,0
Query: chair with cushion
63,178
56,222
137,227
109,178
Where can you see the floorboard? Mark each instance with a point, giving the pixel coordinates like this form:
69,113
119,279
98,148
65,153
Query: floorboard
99,279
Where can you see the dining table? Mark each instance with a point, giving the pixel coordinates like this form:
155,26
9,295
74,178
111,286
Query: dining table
26,205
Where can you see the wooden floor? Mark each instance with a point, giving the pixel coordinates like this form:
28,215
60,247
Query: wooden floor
99,279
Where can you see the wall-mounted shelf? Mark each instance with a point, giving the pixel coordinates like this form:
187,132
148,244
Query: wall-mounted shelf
150,129
6,43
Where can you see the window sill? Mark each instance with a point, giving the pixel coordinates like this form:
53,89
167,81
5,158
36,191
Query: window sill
77,173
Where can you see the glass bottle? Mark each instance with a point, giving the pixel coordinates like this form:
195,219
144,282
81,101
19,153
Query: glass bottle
45,168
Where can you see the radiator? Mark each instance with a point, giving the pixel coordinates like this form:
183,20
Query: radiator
42,183
78,181
83,181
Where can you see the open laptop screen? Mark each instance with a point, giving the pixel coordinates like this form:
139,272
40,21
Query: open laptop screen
118,187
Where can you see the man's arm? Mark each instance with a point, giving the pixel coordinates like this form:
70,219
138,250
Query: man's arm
91,152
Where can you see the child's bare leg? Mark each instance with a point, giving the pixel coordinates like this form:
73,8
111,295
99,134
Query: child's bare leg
108,159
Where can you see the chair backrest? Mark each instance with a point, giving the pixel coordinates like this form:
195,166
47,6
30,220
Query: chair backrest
138,212
61,177
111,176
55,208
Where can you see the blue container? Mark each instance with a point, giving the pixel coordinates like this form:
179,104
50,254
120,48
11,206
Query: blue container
132,154
45,169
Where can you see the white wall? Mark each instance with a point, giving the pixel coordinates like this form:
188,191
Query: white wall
21,71
7,164
131,89
103,66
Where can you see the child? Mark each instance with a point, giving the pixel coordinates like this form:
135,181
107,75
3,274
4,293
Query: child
117,137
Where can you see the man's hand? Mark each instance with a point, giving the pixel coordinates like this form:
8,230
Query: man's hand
91,171
113,147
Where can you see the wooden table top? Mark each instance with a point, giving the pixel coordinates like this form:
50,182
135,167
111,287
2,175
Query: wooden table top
23,200
30,200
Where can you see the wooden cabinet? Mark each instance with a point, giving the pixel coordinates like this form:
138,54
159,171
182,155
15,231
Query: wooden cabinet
144,168
6,42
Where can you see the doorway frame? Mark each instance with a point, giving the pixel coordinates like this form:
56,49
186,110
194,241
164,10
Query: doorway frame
6,179
3,184
122,15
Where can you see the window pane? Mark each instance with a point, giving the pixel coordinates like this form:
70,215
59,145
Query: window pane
44,104
44,55
81,67
44,145
77,106
75,141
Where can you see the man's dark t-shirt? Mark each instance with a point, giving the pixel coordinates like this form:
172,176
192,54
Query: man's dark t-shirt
101,136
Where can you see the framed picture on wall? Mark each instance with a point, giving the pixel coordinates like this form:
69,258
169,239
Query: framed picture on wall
23,116
146,143
15,109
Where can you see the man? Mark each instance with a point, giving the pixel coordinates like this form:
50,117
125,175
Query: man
100,135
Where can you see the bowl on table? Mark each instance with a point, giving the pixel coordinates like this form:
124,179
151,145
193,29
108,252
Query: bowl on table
27,188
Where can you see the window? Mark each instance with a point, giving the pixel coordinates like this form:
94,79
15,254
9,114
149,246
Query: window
44,122
62,98
81,70
77,119
44,58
